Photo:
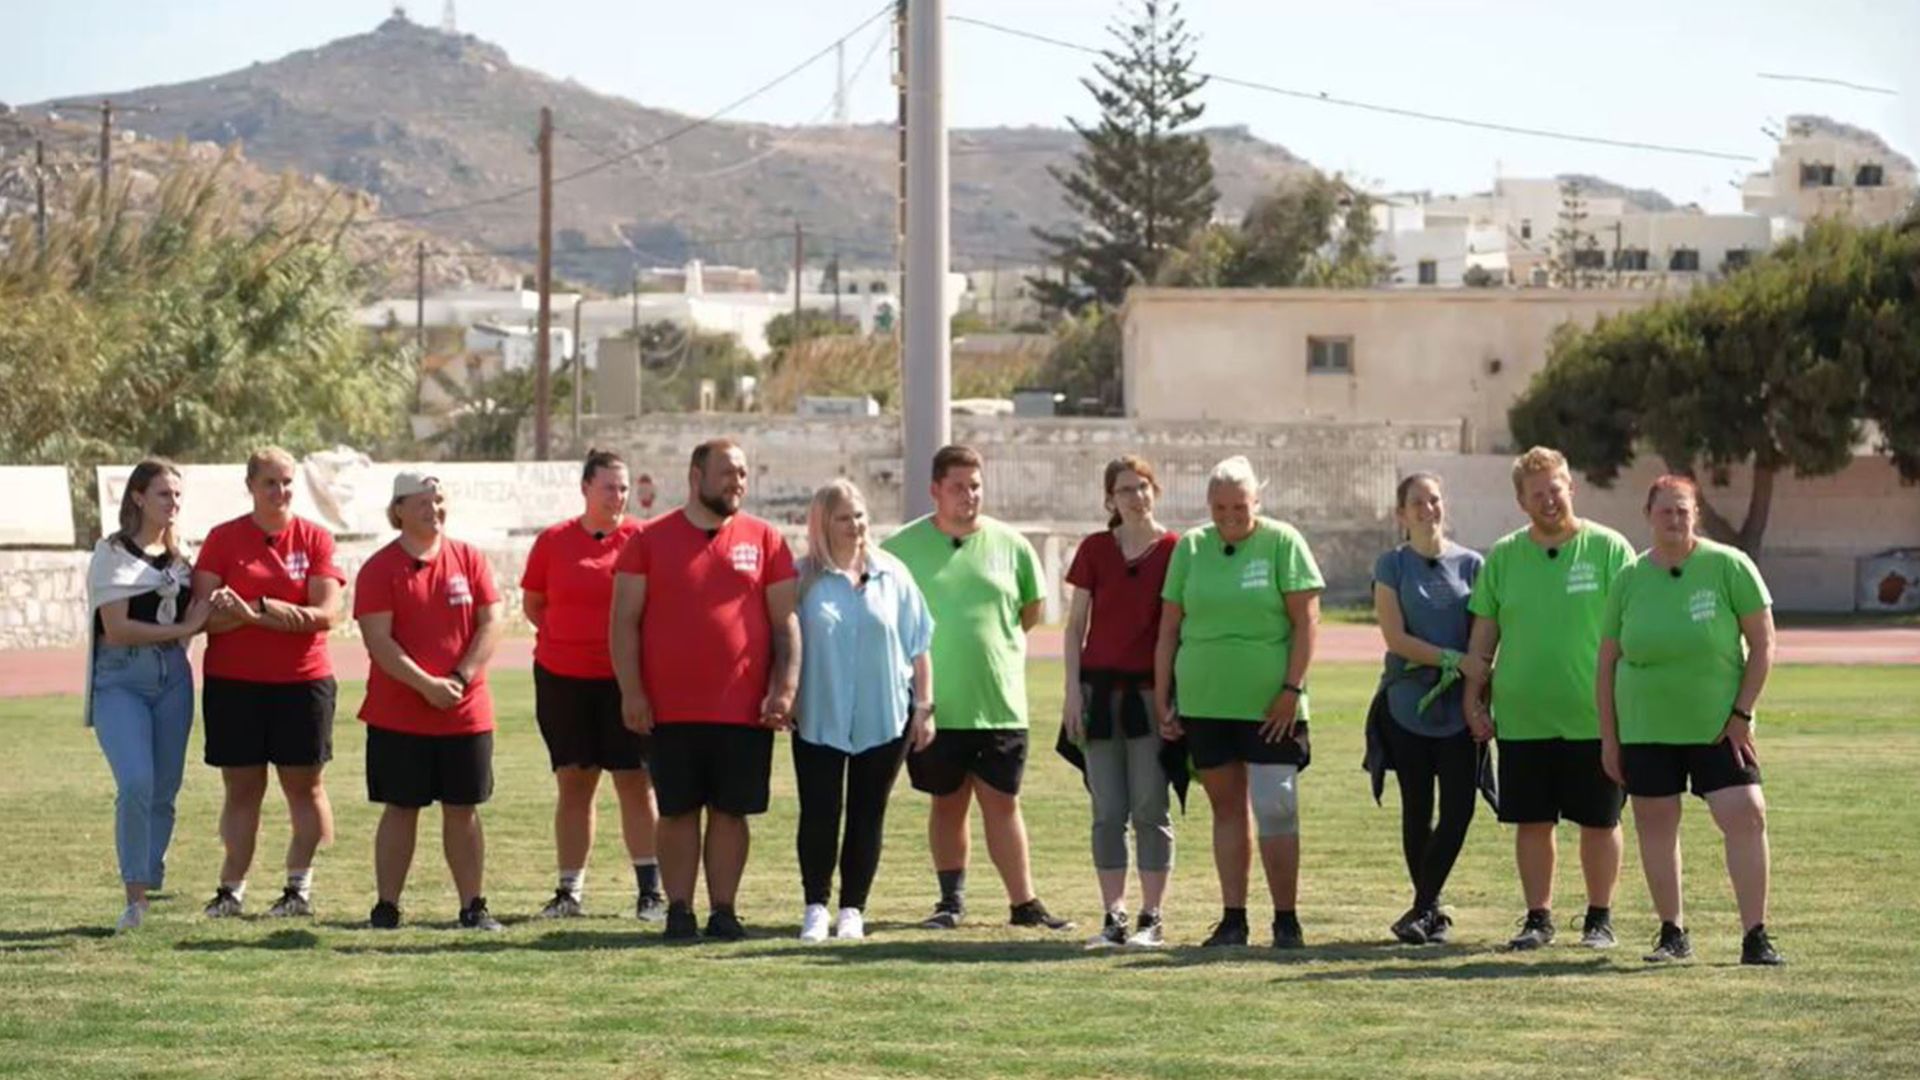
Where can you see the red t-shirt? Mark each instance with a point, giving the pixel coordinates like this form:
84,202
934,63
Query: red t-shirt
255,564
435,604
705,640
575,572
1124,621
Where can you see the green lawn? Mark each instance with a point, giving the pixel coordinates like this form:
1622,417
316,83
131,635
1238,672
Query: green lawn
600,997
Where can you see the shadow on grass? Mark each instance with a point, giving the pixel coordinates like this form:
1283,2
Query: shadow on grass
457,941
1492,967
10,936
278,941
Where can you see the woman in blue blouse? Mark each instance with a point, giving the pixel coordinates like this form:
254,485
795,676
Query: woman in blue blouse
866,693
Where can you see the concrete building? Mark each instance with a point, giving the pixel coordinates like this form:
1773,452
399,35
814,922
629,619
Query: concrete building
1003,296
1824,168
1405,355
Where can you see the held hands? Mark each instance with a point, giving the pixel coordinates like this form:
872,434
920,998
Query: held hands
920,730
1479,721
777,711
1281,716
1475,667
444,693
1168,720
636,712
1738,735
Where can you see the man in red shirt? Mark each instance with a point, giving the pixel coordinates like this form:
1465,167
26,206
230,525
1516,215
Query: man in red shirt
706,648
430,615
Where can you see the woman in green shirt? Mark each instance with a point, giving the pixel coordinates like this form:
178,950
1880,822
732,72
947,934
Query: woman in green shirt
1685,650
1238,618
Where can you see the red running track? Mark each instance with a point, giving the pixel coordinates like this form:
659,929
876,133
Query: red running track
34,672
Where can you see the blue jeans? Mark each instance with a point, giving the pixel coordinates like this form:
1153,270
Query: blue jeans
142,715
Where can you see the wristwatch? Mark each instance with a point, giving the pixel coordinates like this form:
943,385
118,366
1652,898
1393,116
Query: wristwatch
260,605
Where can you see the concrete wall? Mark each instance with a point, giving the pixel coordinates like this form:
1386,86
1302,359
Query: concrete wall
1428,356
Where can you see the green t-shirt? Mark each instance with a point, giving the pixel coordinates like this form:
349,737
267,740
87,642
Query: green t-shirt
1234,631
1549,609
975,592
1681,653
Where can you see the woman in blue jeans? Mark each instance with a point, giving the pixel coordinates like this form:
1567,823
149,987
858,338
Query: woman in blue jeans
139,688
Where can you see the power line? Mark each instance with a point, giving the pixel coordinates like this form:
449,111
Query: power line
608,162
1390,110
1828,82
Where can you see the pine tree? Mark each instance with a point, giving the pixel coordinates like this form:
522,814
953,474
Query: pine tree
1141,184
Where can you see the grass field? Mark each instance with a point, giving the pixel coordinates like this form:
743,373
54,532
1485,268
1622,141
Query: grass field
601,997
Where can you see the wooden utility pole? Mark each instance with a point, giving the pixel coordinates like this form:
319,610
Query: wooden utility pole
579,375
799,265
420,298
40,193
543,347
106,152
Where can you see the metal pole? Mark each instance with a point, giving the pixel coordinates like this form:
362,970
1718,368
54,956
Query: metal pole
40,193
926,374
799,264
106,152
543,348
579,376
420,298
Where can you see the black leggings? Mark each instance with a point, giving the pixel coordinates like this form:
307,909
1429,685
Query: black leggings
1418,761
828,778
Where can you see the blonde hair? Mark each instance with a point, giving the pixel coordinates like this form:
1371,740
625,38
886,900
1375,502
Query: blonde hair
1237,471
830,499
1539,460
268,455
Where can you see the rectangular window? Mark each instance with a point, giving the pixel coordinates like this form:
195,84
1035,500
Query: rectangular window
1684,260
1630,259
1526,228
1870,176
1429,272
1815,174
1738,258
1589,259
1329,355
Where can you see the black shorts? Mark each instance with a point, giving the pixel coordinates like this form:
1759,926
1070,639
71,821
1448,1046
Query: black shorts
580,721
1656,770
1544,780
1213,743
419,770
258,723
724,767
998,756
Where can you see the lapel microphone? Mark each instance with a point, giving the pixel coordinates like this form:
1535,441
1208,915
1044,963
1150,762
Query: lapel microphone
713,534
1433,564
1229,549
599,536
419,564
1675,572
957,543
1553,553
1133,571
864,578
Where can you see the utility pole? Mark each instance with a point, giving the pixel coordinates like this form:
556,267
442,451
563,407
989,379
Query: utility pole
40,193
799,264
926,374
420,298
106,152
579,375
835,265
543,347
1616,254
639,365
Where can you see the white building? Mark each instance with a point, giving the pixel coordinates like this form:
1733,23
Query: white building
1828,169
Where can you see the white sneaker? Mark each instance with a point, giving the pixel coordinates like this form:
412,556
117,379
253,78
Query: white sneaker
131,918
852,925
813,924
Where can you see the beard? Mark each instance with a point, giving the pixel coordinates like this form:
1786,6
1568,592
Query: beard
719,505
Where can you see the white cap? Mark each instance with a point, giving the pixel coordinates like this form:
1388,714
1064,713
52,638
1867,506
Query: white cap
410,482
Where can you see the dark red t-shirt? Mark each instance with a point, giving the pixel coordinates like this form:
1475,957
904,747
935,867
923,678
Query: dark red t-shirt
705,640
435,604
276,566
575,573
1124,621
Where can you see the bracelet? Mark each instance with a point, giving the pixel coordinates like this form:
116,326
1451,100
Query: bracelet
1743,714
260,605
1299,691
459,678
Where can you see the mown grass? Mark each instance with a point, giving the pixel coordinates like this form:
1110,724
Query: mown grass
601,996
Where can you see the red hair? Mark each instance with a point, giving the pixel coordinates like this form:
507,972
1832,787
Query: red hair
1671,482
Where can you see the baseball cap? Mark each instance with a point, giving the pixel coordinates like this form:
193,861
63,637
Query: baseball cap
412,482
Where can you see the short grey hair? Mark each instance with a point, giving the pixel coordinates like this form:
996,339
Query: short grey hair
1238,472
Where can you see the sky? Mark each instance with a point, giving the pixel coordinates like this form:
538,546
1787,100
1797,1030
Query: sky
1674,72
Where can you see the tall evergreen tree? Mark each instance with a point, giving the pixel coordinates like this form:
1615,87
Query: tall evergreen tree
1141,184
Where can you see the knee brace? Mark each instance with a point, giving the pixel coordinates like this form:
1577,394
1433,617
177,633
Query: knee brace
1276,799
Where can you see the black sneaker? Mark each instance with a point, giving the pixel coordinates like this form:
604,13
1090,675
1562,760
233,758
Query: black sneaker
1536,930
1149,932
1411,928
385,916
946,916
1597,933
1226,934
1672,944
1287,933
291,905
224,905
1757,948
681,925
564,905
724,925
475,916
1113,932
1035,913
1438,926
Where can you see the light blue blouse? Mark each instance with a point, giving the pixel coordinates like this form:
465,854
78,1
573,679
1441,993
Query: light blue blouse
857,645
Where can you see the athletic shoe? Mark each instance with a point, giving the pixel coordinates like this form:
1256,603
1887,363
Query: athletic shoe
724,925
385,916
1757,948
1148,932
813,923
650,907
1535,932
291,905
224,905
1113,932
1287,933
1597,933
1035,913
1438,927
1226,934
681,925
1411,928
476,917
1672,944
131,918
946,916
564,905
851,926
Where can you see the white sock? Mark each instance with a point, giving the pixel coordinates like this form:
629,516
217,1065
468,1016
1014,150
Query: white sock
301,881
573,881
1118,907
237,888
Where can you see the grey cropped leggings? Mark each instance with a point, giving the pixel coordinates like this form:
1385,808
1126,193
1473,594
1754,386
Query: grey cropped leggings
1128,784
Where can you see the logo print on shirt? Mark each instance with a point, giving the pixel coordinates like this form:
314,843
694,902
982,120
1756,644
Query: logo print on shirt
297,566
746,558
459,593
1583,577
1257,574
1703,605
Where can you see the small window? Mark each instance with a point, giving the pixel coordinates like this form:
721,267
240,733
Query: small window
1684,260
1815,174
1870,176
1589,259
1630,259
1330,355
1429,272
1738,259
1526,228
